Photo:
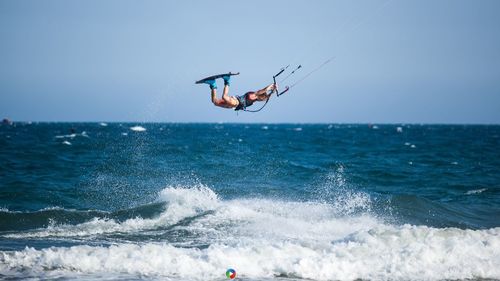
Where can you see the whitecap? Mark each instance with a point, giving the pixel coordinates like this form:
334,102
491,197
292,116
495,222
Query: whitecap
103,124
182,203
65,136
476,191
138,129
66,142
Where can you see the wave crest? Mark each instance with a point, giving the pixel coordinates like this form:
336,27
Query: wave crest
383,252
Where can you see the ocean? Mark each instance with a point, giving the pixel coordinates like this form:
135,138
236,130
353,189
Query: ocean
166,201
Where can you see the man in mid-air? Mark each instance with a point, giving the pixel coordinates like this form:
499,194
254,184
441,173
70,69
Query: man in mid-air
238,102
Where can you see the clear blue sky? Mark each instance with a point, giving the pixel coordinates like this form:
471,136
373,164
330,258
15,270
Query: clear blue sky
395,61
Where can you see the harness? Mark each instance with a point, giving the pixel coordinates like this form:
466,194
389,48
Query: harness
244,102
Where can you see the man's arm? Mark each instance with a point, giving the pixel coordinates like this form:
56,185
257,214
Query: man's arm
263,91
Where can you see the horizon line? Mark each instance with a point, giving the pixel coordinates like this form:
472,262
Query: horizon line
258,123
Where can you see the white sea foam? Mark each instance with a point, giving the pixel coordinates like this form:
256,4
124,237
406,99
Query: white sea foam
65,136
72,136
55,208
263,238
476,191
103,124
382,252
66,142
138,129
181,203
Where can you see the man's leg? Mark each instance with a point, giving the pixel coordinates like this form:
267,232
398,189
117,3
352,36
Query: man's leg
213,93
225,93
229,100
213,90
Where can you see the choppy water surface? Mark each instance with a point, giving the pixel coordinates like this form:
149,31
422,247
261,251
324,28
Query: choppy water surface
188,201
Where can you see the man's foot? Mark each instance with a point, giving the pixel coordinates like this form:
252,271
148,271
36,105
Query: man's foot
211,83
227,79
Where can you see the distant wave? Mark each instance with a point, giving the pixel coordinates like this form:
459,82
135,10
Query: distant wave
42,222
475,191
73,135
138,129
18,221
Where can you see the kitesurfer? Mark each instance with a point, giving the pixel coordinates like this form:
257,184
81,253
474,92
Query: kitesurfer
238,102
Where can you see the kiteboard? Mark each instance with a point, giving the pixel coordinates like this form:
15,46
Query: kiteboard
216,77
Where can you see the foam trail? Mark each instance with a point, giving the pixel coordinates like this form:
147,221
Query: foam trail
384,252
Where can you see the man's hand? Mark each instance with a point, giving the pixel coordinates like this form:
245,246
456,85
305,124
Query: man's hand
271,88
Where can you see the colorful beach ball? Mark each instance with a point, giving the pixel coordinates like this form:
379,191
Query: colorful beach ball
231,273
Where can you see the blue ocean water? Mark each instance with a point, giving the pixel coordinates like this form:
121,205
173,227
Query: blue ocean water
289,201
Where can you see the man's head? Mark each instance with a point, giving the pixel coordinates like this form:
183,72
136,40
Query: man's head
263,97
